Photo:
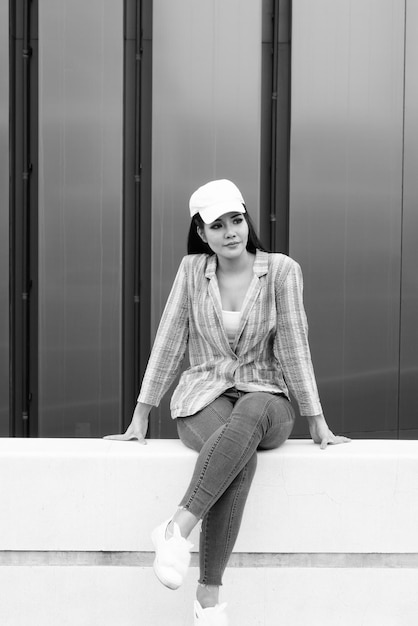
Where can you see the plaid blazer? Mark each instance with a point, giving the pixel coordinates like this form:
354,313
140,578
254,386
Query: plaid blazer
270,351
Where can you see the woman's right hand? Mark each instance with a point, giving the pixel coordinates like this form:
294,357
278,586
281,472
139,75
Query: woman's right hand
138,427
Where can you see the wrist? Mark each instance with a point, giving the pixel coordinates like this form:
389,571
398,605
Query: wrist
315,418
142,409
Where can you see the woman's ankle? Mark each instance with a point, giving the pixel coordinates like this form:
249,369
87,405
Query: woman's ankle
207,595
185,520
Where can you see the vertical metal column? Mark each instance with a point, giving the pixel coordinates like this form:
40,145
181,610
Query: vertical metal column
23,218
27,167
137,176
136,200
275,124
5,171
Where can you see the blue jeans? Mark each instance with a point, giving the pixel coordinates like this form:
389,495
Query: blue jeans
227,434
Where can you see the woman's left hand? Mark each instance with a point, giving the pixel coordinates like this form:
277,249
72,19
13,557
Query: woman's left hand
321,434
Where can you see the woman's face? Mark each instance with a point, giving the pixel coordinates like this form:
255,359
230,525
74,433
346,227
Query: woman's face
227,236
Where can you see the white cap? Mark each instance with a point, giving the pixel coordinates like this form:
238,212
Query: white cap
215,199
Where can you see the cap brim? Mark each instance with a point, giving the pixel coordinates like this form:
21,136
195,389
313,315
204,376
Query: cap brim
212,213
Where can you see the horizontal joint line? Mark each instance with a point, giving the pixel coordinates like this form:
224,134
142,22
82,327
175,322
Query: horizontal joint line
339,560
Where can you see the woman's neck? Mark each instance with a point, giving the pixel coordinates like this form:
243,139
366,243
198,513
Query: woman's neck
236,266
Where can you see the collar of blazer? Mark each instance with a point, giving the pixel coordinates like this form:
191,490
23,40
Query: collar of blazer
260,267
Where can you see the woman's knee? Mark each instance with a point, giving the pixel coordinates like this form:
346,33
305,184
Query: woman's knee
281,426
276,436
259,403
274,414
254,403
195,430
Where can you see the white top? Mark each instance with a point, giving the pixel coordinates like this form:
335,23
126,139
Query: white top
231,320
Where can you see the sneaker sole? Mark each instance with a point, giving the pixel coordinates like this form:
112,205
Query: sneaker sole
167,583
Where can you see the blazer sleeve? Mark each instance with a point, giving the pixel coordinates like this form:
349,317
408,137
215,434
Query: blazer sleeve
170,342
291,346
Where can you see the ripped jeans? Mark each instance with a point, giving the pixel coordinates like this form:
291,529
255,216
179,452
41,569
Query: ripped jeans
227,434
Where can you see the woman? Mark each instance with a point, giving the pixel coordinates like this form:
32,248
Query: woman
240,312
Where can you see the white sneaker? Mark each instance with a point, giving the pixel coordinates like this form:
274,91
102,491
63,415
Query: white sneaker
172,556
213,616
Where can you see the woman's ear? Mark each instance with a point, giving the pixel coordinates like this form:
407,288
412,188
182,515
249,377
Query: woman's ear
201,234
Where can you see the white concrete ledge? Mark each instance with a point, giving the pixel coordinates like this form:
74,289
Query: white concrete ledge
328,537
99,495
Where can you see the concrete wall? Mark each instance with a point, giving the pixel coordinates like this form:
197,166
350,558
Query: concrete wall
328,537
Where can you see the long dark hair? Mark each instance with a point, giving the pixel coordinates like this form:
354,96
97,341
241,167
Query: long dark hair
196,245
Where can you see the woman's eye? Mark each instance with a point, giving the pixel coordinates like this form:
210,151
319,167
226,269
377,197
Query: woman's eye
238,220
215,226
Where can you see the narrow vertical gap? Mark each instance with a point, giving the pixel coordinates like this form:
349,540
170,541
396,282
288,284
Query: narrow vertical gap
282,137
275,131
26,174
274,126
266,138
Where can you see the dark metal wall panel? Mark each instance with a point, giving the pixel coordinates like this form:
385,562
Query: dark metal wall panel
408,418
4,218
206,119
346,201
80,216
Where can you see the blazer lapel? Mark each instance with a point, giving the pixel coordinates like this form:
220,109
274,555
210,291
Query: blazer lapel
260,269
215,297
